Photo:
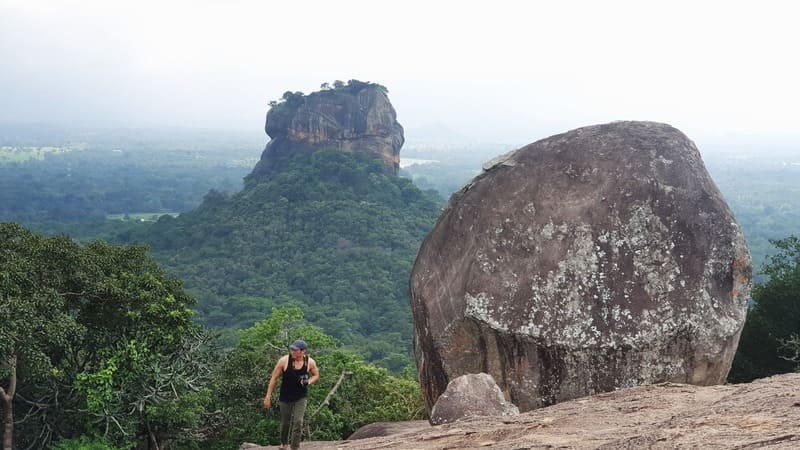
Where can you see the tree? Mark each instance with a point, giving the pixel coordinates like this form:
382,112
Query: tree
293,99
349,394
35,329
767,344
92,329
243,376
160,398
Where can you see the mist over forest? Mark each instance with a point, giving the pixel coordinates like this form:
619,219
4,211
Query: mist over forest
55,174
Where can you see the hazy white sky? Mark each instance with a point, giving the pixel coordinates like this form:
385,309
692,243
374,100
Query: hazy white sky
491,70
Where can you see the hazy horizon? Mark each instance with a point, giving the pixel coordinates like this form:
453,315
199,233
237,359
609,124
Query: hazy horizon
502,72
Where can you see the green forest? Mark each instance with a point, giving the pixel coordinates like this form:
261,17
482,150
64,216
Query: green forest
330,233
84,177
140,262
101,350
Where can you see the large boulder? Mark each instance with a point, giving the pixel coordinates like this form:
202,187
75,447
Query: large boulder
471,395
355,118
589,261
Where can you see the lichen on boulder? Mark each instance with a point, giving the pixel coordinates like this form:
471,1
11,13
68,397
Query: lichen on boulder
593,260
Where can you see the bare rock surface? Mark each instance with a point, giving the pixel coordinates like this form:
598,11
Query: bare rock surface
471,395
356,118
589,261
379,429
762,414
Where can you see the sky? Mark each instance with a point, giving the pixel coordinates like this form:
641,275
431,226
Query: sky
500,71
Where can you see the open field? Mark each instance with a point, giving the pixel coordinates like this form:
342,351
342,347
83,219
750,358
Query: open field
22,154
142,216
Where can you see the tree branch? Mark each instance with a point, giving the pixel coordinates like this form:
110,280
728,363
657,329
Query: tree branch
12,382
327,400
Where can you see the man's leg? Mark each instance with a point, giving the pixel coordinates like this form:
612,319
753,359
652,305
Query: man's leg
298,411
286,420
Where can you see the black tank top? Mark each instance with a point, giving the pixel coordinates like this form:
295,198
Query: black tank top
292,389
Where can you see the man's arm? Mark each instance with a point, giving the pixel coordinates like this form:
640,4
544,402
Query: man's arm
276,372
312,368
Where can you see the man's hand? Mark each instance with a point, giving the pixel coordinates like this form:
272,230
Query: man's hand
267,402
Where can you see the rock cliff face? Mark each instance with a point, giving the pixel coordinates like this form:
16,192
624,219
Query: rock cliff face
357,117
589,261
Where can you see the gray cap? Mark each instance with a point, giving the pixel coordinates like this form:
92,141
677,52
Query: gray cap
298,345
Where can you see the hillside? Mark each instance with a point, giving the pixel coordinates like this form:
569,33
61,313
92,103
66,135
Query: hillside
331,232
323,223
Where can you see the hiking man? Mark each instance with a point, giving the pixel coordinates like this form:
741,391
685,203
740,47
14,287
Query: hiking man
295,369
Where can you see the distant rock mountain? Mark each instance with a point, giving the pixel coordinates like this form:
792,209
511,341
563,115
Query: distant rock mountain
323,223
355,118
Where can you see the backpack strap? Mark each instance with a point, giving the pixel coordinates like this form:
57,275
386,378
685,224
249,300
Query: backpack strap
289,361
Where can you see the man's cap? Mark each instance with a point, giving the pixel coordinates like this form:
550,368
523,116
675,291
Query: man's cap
298,345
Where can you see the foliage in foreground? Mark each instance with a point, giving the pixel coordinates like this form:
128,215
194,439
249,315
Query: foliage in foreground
98,341
357,393
98,351
770,341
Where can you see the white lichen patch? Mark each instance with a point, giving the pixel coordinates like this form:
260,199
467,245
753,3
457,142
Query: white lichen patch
529,209
482,308
485,263
573,305
567,297
547,230
562,307
651,244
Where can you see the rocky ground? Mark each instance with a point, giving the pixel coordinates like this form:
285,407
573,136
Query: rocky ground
762,414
